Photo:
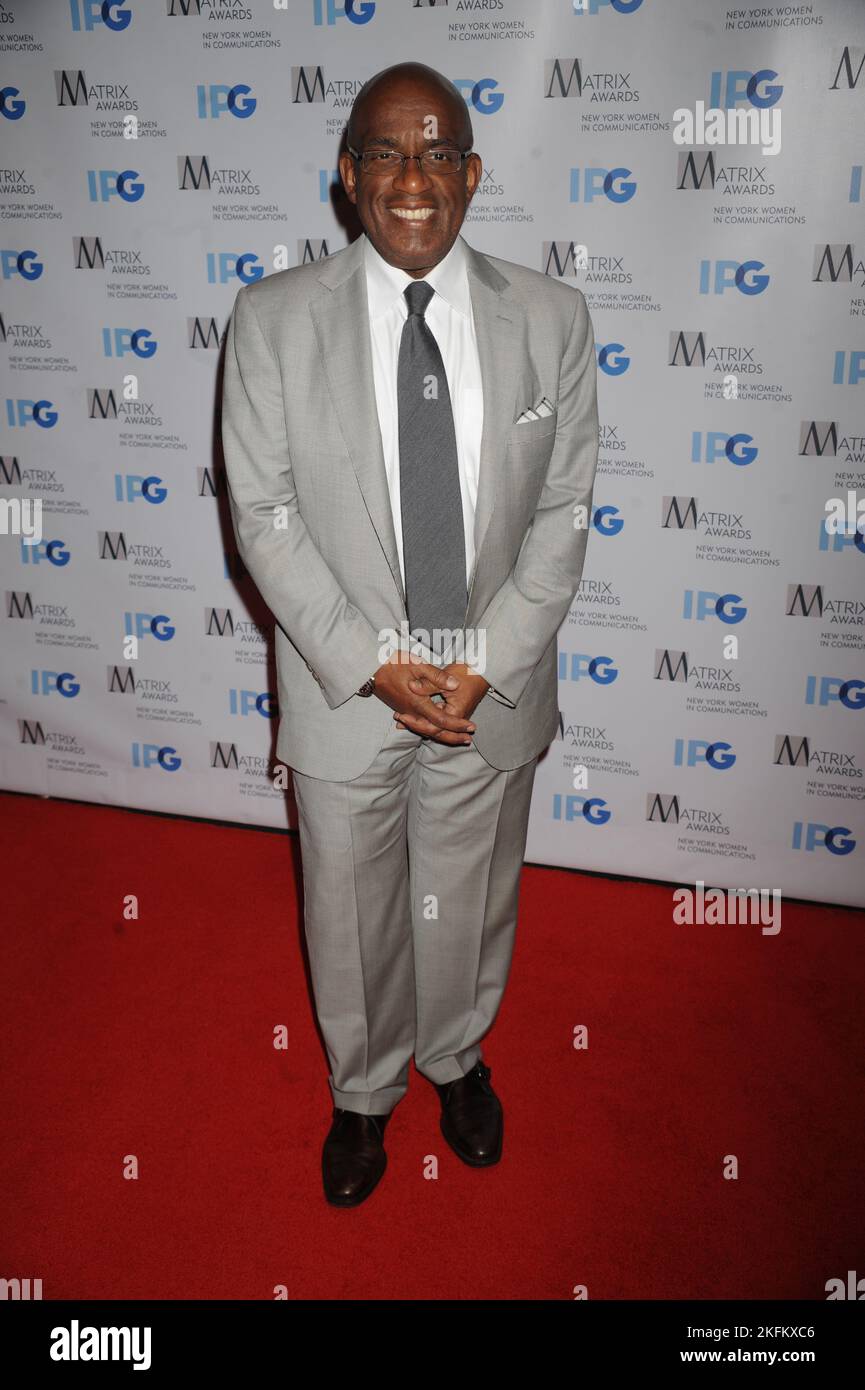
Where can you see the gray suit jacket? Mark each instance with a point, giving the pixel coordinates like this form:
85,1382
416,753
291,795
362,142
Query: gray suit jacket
311,511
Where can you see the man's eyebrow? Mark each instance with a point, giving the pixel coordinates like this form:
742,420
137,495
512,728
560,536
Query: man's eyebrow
391,142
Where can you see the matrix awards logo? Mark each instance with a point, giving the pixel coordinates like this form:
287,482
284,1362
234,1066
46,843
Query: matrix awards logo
841,617
837,262
699,171
664,808
570,78
311,249
194,175
72,89
203,333
103,404
224,756
685,514
848,70
677,668
24,336
610,99
308,85
827,439
832,771
738,366
249,638
88,253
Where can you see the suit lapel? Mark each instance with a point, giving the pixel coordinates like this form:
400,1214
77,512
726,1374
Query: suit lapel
346,357
499,332
341,318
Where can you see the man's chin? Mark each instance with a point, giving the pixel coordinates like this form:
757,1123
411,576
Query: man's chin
410,251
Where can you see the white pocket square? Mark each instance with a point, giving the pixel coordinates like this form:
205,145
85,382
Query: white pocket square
543,407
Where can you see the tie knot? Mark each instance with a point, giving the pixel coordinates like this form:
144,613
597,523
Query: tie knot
418,296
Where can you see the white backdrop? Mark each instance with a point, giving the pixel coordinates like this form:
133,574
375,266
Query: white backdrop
157,153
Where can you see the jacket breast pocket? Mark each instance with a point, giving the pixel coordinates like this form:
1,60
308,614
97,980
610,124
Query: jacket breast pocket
531,443
530,431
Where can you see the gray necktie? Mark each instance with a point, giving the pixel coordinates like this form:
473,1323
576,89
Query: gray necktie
434,551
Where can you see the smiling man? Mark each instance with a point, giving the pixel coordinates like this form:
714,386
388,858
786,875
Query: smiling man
410,434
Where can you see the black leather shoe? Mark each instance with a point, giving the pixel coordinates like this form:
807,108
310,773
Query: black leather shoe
353,1158
472,1120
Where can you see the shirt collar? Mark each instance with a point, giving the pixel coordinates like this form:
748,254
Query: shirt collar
385,283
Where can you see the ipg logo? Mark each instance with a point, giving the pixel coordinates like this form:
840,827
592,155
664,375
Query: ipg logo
151,755
690,752
809,835
480,94
616,185
20,413
596,6
606,520
738,88
836,541
246,702
132,487
87,14
710,445
611,358
12,104
701,604
54,552
732,275
580,666
54,683
223,266
105,184
593,810
216,99
20,264
141,625
849,368
830,690
329,11
117,342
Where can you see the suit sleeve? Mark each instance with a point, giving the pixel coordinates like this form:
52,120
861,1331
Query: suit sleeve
334,638
525,614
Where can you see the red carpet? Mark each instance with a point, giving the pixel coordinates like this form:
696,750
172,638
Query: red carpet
154,1038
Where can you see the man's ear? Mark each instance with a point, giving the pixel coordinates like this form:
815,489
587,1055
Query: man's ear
347,174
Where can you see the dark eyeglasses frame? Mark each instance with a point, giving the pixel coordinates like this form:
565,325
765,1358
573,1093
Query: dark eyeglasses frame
358,155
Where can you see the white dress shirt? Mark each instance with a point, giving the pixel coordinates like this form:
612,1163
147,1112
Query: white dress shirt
449,318
451,322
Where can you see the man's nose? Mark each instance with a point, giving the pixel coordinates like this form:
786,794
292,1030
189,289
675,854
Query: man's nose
412,175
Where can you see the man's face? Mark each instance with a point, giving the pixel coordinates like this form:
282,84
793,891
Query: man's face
398,116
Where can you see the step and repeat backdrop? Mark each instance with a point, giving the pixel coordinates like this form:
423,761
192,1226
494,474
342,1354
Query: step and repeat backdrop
694,167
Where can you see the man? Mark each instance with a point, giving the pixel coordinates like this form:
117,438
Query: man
388,500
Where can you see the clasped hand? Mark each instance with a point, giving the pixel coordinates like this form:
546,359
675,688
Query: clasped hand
407,684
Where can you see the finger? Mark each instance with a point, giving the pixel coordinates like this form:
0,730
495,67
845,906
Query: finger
437,677
443,719
416,725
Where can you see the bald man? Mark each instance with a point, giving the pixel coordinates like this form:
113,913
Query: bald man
410,433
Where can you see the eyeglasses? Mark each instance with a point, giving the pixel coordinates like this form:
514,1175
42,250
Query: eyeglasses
437,161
